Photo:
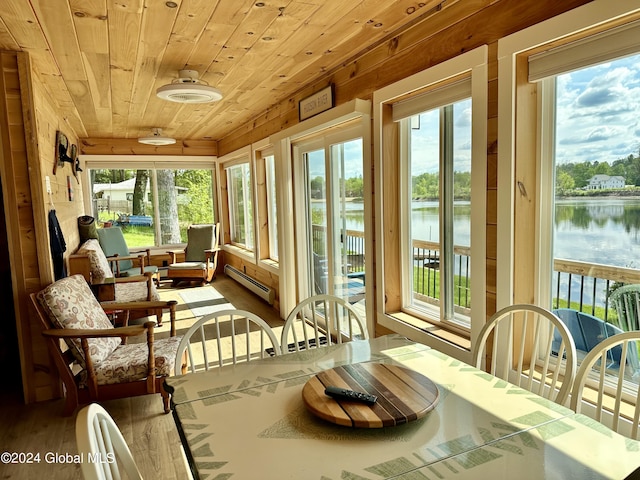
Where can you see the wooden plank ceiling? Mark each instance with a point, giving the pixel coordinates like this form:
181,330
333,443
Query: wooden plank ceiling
101,61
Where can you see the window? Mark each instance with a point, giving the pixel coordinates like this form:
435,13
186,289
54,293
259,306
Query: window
272,206
587,153
240,205
571,219
153,206
432,205
331,228
437,143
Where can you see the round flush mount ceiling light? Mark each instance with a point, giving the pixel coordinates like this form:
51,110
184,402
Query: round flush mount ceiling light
188,89
157,139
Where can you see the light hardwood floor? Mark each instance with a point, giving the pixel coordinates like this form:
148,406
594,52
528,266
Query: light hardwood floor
151,435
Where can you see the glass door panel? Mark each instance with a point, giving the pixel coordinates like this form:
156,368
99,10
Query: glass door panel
335,218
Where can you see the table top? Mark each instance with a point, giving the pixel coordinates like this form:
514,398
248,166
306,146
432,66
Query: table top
480,426
572,448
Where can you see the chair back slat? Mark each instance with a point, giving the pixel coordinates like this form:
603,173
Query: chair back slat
105,453
321,320
612,372
221,341
522,351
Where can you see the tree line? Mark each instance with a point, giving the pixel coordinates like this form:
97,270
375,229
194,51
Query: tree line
574,176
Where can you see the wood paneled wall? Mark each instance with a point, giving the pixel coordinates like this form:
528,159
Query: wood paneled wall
29,123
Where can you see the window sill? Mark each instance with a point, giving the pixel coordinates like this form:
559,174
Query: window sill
435,336
240,252
270,265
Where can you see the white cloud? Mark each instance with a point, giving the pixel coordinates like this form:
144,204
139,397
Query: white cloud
597,112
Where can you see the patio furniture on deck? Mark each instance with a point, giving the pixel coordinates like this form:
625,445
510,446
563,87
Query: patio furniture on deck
626,300
588,332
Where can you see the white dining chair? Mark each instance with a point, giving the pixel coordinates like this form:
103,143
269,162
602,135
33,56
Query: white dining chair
321,320
520,351
607,384
226,337
105,453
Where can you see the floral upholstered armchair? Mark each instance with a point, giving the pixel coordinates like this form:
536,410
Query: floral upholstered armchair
96,364
126,289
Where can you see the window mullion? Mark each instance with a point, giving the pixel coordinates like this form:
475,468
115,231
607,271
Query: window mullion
446,213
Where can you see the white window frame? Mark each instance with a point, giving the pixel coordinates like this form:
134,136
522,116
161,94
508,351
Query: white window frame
285,196
597,16
260,151
149,162
473,63
580,20
241,156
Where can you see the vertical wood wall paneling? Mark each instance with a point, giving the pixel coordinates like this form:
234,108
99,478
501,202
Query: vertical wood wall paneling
40,379
18,211
10,109
525,192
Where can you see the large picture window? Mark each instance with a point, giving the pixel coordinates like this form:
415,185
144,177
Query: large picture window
571,219
153,206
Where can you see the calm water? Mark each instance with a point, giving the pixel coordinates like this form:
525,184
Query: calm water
605,230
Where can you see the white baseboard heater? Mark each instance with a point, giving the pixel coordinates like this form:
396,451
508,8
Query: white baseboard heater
252,284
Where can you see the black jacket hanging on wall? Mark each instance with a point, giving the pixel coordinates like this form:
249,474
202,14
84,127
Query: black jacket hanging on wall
58,246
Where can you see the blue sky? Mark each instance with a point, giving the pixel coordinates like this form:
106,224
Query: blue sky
598,115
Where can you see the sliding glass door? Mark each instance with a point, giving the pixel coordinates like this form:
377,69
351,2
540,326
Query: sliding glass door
330,171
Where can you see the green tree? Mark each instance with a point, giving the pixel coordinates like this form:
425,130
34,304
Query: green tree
564,183
354,187
168,207
195,195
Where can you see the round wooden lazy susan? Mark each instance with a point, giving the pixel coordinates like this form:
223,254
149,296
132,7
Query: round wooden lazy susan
403,395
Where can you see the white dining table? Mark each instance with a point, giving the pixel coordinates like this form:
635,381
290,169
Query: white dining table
249,421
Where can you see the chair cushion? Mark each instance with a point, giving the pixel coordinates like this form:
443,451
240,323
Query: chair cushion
113,243
129,362
135,292
199,239
99,264
136,271
188,266
69,303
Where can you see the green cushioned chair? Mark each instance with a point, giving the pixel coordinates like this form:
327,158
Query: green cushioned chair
200,255
125,262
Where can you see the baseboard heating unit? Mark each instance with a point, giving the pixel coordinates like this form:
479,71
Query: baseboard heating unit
252,284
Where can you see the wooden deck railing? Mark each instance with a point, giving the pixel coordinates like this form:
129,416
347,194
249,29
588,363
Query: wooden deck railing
578,285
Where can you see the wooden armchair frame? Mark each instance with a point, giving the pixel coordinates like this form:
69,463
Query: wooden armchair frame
194,267
70,374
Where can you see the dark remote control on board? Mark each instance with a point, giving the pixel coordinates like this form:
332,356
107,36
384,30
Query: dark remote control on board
344,394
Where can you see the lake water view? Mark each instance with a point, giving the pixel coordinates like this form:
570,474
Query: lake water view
602,230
